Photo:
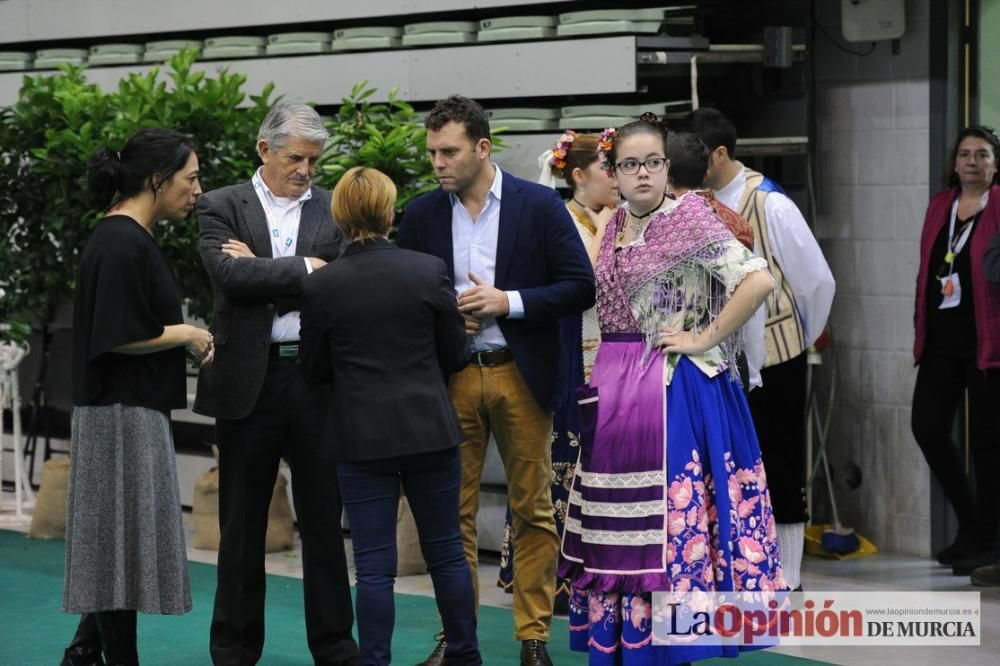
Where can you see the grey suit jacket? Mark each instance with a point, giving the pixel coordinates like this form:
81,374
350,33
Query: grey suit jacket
247,291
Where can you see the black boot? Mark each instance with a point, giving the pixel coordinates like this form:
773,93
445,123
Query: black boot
117,630
966,543
85,648
967,565
436,657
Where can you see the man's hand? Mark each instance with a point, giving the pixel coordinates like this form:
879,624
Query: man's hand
316,263
236,249
472,325
483,300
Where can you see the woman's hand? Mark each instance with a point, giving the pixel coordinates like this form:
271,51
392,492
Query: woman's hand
236,249
688,343
199,346
600,221
601,218
749,296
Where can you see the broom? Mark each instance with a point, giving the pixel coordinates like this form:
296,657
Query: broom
838,539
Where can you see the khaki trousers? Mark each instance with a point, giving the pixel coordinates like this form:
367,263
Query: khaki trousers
496,399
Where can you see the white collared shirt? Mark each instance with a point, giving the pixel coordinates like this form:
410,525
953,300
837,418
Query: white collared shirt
798,255
283,218
474,250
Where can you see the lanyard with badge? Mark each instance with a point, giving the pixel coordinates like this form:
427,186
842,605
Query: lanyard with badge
951,286
280,248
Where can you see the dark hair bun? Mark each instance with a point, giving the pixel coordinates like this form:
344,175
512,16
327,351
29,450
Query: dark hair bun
104,172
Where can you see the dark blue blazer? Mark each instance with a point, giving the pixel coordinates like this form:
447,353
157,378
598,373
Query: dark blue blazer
539,254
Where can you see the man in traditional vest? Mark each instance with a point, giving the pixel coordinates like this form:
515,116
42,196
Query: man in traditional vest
796,315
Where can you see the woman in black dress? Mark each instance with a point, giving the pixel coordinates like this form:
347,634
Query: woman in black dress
125,549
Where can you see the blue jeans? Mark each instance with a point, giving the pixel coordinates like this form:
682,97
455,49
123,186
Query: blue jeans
370,491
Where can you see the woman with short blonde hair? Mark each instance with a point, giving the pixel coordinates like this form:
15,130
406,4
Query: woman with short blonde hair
364,202
381,324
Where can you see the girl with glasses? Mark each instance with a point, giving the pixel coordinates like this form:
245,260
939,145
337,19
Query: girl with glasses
669,491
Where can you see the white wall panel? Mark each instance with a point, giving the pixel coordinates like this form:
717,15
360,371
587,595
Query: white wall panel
603,64
36,20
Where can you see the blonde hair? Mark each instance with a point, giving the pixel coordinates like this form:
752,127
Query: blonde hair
363,203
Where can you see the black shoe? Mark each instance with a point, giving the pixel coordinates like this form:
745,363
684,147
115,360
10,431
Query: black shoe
436,657
961,548
988,576
534,653
967,565
85,648
77,655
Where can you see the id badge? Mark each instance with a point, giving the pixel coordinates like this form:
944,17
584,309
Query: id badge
951,290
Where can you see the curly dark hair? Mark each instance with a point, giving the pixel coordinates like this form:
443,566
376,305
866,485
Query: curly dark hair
458,109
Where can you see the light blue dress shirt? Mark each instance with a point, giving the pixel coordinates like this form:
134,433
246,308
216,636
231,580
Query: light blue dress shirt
474,245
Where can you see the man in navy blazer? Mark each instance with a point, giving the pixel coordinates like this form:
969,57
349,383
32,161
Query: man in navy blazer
518,265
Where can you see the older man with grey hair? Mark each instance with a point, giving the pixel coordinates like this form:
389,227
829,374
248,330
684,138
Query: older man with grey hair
258,240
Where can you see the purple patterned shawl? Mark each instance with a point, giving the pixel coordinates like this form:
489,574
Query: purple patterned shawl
670,238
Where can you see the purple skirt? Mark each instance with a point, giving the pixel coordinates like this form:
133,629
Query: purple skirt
670,494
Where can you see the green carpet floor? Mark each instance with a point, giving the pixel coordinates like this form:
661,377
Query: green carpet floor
33,630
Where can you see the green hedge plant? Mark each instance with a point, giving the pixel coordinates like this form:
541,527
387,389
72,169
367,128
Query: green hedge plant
48,135
386,136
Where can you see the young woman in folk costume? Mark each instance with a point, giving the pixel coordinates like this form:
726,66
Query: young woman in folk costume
669,492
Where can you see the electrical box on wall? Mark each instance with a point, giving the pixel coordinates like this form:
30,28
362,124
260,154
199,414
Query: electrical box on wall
872,20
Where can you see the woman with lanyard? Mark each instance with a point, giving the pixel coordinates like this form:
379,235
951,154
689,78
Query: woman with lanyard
957,345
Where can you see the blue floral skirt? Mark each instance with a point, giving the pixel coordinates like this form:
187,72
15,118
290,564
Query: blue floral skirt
714,529
565,449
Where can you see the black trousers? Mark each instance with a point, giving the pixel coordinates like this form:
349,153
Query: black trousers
937,396
286,422
779,416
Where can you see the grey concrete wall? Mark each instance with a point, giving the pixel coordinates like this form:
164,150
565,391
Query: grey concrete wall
873,186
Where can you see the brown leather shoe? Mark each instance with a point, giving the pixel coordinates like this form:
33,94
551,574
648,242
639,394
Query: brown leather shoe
534,653
436,657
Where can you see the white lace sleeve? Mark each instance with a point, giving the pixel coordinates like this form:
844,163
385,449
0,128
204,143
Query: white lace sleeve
729,261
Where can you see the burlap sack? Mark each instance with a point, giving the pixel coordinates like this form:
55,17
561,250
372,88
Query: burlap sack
410,561
48,519
205,512
280,526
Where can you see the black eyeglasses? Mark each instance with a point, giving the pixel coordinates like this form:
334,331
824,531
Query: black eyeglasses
630,167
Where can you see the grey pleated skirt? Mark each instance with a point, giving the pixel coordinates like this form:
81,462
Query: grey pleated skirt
125,545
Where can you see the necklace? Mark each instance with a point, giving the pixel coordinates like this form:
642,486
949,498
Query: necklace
637,219
585,206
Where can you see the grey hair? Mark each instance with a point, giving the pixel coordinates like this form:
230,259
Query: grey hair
285,121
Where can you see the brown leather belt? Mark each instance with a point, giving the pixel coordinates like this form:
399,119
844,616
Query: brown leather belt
491,357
